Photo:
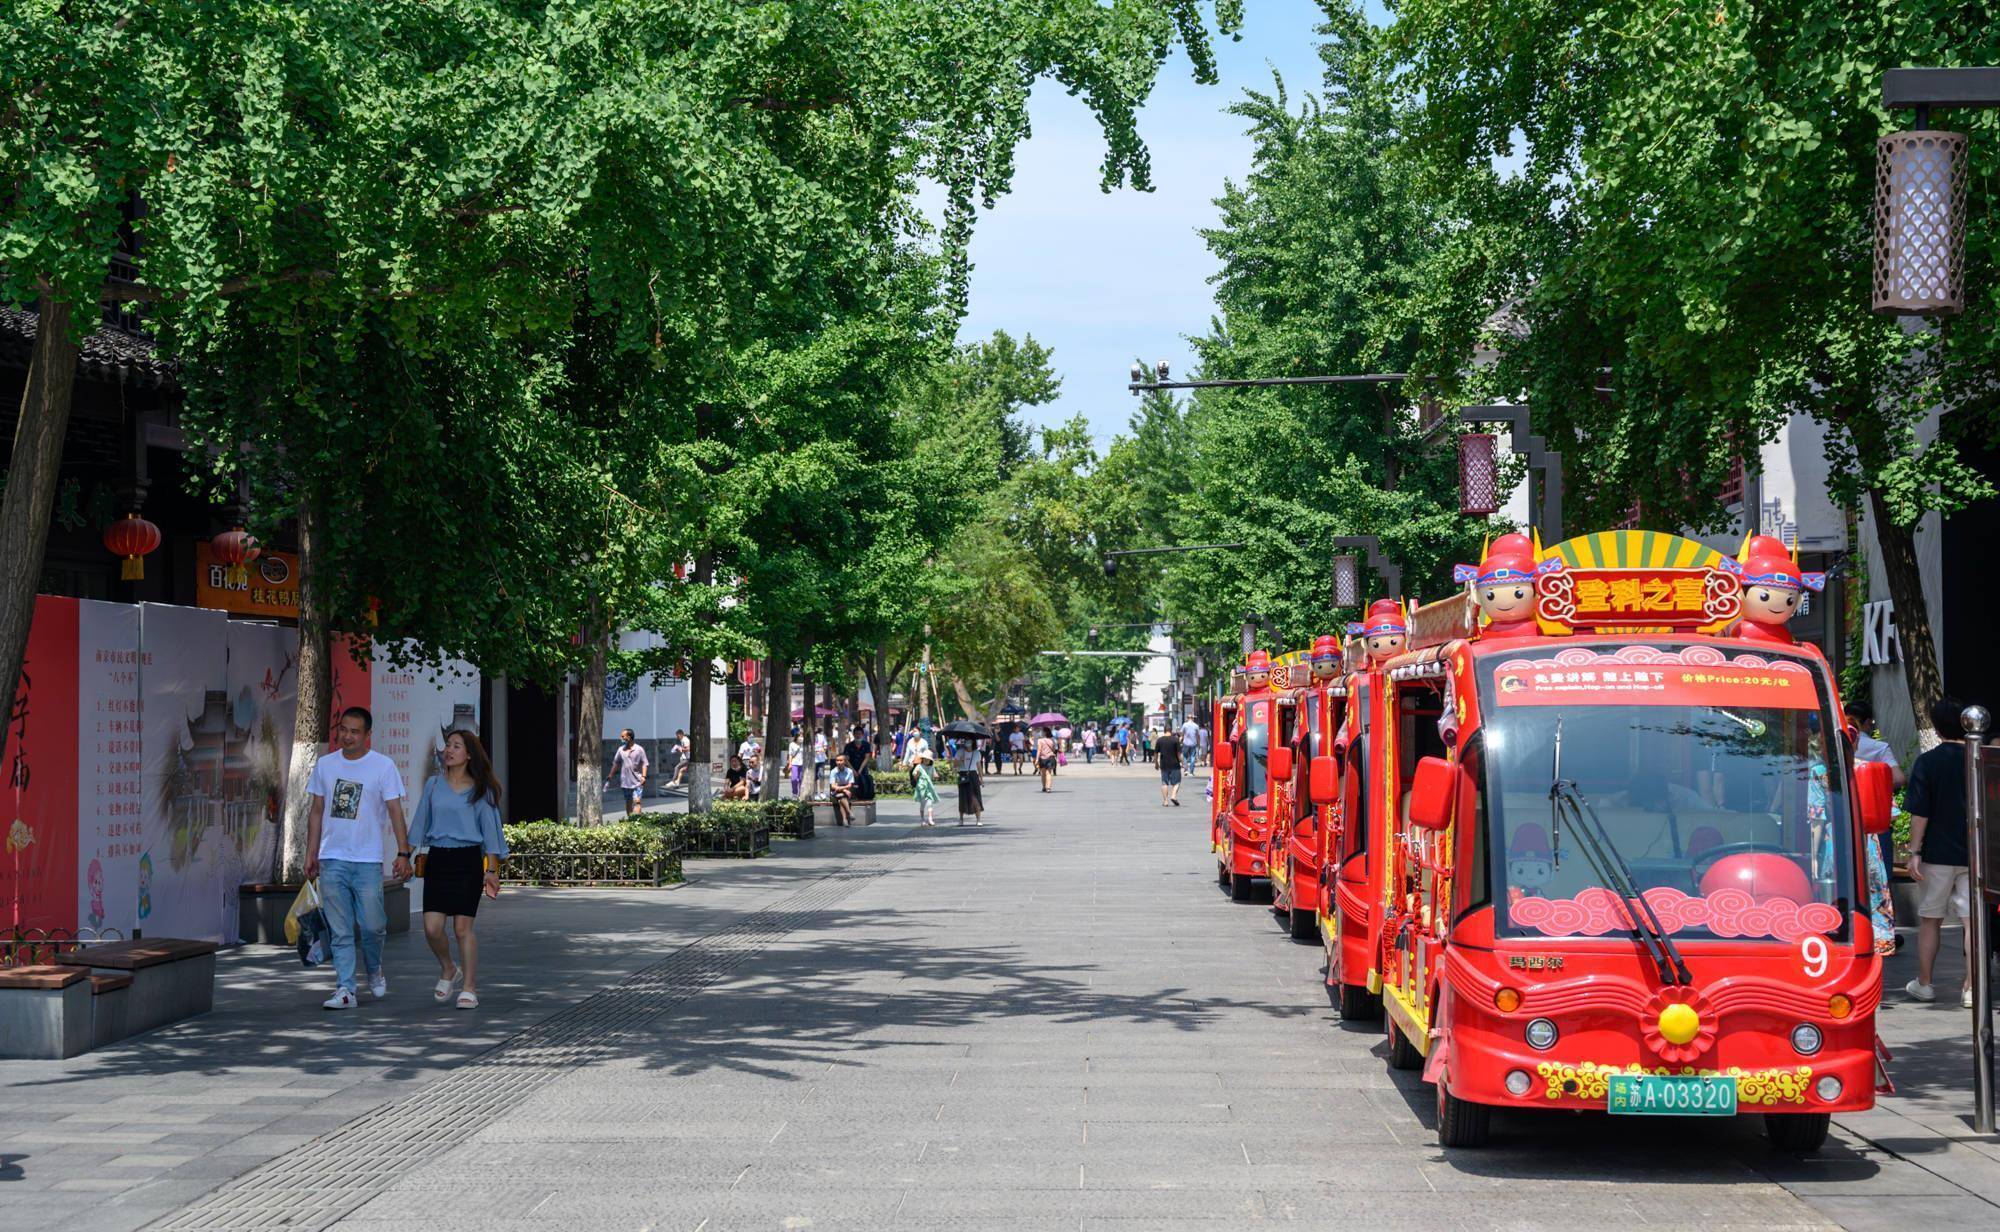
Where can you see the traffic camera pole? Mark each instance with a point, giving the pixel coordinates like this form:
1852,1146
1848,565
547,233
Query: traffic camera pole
1979,944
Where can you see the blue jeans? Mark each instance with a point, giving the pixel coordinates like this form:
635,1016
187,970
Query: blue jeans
351,893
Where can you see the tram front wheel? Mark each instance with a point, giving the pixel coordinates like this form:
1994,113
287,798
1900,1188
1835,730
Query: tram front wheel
1460,1123
1799,1131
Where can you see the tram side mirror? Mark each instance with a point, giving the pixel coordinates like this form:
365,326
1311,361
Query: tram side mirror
1874,792
1281,764
1434,793
1225,757
1324,783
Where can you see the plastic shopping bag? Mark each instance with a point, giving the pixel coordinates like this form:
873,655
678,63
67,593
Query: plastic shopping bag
307,900
314,936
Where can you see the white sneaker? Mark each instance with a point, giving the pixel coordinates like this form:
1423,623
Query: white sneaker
378,986
1916,991
1965,998
342,999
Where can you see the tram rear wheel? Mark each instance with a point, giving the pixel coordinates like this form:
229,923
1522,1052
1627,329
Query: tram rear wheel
1357,1006
1460,1123
1402,1053
1799,1131
1241,887
1222,873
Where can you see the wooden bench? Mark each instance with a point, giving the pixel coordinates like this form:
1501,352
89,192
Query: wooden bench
167,979
44,1012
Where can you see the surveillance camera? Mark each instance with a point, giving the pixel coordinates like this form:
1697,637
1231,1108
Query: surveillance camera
1111,566
1160,367
1138,373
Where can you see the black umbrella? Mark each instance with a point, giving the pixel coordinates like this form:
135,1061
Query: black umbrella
966,729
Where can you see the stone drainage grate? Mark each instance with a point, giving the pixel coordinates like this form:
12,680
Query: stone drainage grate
330,1176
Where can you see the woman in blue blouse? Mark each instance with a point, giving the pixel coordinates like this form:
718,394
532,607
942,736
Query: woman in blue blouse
458,818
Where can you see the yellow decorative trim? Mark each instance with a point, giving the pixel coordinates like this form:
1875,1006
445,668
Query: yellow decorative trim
1760,1087
1374,980
1414,1028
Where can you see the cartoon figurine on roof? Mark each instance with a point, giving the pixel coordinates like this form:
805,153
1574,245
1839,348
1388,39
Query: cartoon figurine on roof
1385,631
1503,585
1256,671
1773,588
1325,658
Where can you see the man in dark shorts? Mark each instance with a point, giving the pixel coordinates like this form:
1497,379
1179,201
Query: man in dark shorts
1168,750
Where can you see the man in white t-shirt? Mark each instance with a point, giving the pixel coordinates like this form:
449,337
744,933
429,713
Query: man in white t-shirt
1190,742
354,792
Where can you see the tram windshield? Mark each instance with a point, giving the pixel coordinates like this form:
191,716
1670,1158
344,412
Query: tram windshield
1707,778
1256,747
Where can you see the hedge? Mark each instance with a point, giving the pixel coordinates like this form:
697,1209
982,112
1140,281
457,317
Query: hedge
784,817
560,839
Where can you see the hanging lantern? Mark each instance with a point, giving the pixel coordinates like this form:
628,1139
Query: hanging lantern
133,538
234,550
374,613
1478,474
1346,580
1920,223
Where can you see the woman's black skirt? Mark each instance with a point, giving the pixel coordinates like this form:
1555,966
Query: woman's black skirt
453,879
969,799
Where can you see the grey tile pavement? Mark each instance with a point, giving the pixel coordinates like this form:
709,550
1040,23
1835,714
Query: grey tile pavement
1052,1021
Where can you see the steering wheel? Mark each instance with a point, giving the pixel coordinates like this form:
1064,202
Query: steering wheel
1700,865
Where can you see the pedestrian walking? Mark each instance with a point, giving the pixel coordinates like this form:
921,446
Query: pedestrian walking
1169,753
819,762
1017,745
923,789
971,799
630,765
795,762
1090,745
458,819
1045,759
352,793
1939,844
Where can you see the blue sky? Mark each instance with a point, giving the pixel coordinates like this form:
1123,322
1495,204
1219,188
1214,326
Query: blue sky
1100,277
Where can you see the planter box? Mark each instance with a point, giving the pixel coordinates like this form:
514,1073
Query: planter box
862,811
261,908
590,868
743,844
44,1013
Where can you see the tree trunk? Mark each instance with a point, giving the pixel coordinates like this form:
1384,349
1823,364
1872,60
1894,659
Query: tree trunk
871,669
589,769
1898,548
31,489
701,716
777,724
315,708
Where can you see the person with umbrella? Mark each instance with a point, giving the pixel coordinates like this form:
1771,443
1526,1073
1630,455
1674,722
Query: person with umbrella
970,799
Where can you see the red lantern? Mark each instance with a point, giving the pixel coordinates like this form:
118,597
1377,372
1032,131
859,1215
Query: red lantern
133,538
749,672
235,549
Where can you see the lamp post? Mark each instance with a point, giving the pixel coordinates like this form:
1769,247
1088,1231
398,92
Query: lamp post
1140,385
1347,569
1920,179
1976,720
1542,461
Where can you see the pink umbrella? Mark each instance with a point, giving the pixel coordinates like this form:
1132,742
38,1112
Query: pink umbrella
1048,718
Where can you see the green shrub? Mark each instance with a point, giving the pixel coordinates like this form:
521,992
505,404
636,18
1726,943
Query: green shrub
645,838
895,784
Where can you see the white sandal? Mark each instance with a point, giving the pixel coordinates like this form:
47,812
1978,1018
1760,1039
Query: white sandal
468,1001
442,993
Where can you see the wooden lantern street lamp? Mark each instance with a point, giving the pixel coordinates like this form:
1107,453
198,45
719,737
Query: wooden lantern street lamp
1347,589
1478,474
133,538
234,550
1346,580
1920,181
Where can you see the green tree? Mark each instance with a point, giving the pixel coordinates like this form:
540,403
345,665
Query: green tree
1687,230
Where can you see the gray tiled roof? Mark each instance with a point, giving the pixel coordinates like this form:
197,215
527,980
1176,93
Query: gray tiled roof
109,354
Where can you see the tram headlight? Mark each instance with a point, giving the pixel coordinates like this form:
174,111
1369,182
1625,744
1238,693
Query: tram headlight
1827,1088
1542,1034
1806,1039
1518,1082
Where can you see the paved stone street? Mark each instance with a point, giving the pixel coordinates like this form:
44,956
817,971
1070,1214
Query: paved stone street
1054,1021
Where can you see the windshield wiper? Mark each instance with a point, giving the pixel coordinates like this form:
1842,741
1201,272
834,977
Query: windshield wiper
1611,868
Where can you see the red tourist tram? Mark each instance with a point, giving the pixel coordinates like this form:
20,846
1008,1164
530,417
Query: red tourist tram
1302,808
1244,767
1620,843
1355,840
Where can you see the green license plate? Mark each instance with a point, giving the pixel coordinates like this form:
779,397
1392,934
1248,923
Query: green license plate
1670,1095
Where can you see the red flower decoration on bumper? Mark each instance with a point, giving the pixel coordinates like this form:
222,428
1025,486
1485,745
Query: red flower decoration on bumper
1679,1024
